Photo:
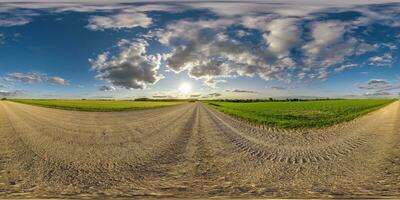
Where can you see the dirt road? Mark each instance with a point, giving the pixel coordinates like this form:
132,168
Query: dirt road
192,151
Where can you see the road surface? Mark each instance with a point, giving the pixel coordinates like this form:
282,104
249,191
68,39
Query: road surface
192,150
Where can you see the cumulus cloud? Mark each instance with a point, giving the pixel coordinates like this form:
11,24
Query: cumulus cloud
207,52
119,21
106,88
290,47
132,68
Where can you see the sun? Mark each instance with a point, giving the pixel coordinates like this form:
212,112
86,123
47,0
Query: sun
185,88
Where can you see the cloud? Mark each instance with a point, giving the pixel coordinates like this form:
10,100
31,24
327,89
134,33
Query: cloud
132,68
55,80
195,95
377,82
380,61
241,91
345,67
292,39
119,21
289,47
27,78
214,95
328,37
160,96
278,87
379,87
106,88
15,17
378,93
4,93
34,77
2,38
207,52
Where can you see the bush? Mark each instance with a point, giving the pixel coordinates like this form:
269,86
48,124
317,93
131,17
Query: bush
3,99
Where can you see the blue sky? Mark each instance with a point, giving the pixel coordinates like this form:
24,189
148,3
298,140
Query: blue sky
224,49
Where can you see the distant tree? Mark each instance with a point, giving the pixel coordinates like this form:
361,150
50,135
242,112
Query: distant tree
3,99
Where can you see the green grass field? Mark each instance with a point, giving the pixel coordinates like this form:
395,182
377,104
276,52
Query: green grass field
98,105
301,114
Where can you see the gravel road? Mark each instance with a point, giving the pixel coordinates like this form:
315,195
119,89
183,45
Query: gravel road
192,150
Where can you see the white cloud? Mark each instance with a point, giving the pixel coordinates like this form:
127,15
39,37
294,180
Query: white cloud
283,35
380,61
119,21
345,67
132,68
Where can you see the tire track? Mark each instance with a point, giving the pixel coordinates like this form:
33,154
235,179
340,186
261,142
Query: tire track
192,151
288,154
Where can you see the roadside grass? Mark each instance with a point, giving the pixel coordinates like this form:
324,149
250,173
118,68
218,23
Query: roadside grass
301,114
98,105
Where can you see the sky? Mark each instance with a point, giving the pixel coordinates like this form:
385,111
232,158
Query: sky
199,49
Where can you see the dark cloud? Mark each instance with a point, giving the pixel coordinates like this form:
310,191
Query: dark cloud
278,87
27,78
377,81
160,96
379,87
131,68
195,95
241,91
106,88
380,84
55,80
212,95
34,77
4,93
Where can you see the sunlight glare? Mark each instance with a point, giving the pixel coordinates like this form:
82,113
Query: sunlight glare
185,88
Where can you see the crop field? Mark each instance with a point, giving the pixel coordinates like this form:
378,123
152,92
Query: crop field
98,105
302,113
